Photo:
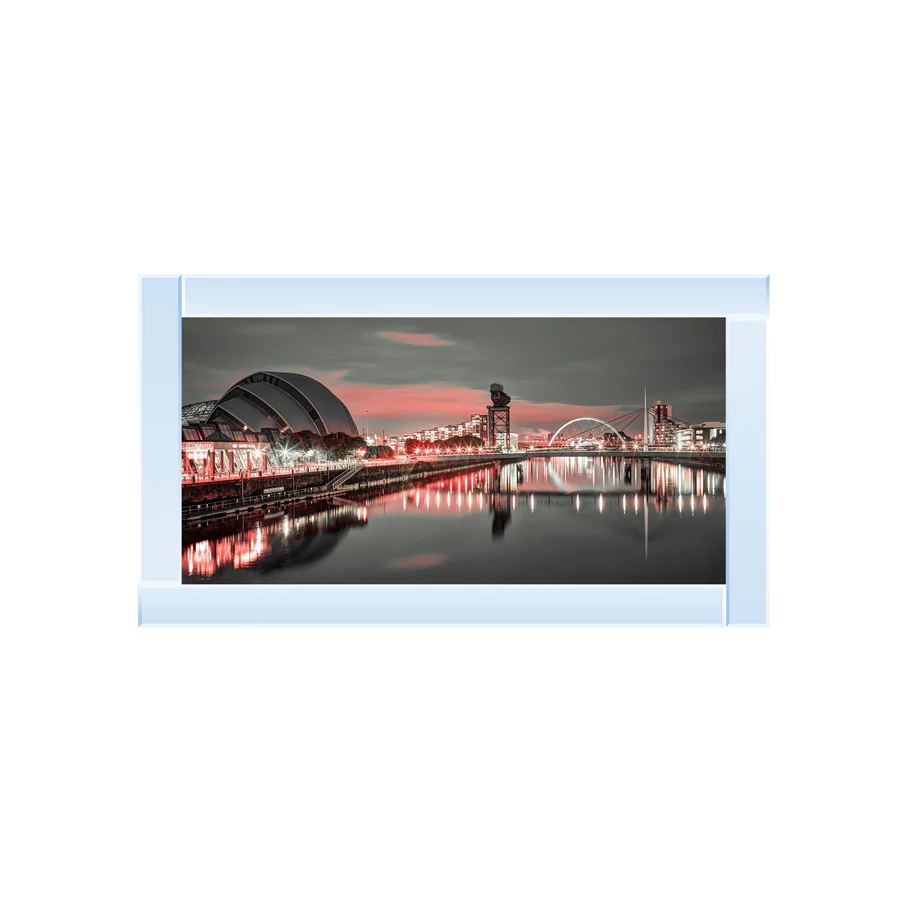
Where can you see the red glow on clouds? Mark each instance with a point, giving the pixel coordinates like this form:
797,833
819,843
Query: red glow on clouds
420,340
419,406
404,408
418,562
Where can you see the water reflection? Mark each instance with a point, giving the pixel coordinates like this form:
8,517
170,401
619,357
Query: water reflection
295,536
544,490
500,519
418,562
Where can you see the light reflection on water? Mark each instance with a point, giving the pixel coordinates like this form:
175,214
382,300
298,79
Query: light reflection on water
671,530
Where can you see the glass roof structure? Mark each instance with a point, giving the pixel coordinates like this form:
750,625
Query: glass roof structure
197,413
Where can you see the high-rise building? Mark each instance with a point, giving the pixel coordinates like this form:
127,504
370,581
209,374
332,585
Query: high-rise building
478,425
662,425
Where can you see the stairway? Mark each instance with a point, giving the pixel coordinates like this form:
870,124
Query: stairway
343,478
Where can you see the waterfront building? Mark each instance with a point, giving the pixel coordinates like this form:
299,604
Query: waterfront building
236,432
662,425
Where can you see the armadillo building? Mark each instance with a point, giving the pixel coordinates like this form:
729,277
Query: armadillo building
234,433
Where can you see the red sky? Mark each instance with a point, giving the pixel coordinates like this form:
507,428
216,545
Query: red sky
393,405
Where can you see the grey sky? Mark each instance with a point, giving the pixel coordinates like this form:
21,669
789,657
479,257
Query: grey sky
412,373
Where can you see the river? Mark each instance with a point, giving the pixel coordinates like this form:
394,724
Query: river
562,520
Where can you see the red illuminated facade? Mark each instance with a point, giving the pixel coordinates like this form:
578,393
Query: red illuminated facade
216,451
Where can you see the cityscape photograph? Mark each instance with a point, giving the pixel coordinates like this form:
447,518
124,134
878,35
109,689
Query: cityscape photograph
453,450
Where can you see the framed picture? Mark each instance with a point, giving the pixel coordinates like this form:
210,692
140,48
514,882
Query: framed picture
454,451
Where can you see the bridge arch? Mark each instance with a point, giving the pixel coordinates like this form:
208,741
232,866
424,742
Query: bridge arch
577,427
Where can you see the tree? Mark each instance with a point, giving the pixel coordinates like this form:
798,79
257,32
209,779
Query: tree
308,440
339,445
379,452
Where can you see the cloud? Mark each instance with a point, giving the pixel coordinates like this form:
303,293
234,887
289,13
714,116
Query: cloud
403,408
555,369
420,340
412,407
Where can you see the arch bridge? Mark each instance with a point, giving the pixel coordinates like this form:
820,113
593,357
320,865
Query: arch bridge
585,429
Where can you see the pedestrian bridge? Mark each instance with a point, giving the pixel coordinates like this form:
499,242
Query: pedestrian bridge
688,457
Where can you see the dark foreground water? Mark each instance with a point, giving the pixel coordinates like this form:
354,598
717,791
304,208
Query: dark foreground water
563,520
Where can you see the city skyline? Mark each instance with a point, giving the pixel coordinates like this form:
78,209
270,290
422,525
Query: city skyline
408,374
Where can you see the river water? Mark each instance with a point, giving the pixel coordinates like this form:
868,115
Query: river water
562,520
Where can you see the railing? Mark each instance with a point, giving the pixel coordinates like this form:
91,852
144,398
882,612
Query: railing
190,478
302,492
706,451
343,477
215,507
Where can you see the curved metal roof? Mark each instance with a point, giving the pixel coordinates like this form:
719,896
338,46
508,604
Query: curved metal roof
284,400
